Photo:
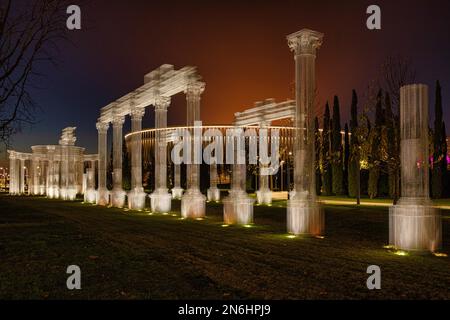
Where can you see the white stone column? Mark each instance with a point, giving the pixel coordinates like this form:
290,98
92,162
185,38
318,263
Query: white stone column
238,206
177,191
136,197
12,173
117,194
193,201
22,176
304,216
414,224
102,192
91,194
213,192
264,194
35,165
160,199
51,172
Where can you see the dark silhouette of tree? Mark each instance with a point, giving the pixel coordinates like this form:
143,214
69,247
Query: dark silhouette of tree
326,165
346,157
375,152
30,32
353,166
318,152
391,136
336,150
439,158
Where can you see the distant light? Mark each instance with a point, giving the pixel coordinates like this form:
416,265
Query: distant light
199,219
320,237
225,225
247,226
440,254
174,215
291,236
401,253
165,213
389,246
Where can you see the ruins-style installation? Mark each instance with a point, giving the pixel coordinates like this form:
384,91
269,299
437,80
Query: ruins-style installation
213,193
56,171
262,115
304,215
158,88
414,224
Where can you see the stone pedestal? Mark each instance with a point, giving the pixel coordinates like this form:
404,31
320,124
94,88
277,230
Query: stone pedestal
161,201
264,197
305,217
238,208
193,204
213,194
177,192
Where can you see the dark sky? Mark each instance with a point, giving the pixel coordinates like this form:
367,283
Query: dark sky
240,50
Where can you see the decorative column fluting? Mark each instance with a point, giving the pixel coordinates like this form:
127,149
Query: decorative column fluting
136,197
304,215
102,192
264,194
160,199
193,201
22,176
414,224
12,173
117,194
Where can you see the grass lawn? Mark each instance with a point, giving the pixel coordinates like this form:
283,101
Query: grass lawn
128,255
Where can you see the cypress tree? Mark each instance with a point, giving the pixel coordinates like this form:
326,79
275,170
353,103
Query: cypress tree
326,166
336,151
353,166
374,155
438,155
317,152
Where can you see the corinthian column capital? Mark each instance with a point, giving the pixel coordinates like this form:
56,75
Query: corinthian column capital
102,127
305,41
195,88
137,113
118,120
162,103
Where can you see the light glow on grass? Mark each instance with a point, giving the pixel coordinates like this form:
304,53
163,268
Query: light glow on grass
174,215
319,237
247,226
225,225
440,254
389,246
291,236
165,213
401,253
199,219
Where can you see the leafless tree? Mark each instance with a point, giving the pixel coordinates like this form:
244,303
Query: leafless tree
30,34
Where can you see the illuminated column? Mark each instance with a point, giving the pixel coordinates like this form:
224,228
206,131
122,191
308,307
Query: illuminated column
160,199
213,191
90,194
51,172
264,194
238,207
304,216
56,177
117,194
177,191
136,197
22,176
414,224
12,173
193,201
102,192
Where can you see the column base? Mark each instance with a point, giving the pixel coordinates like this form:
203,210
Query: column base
118,198
68,193
193,204
160,201
52,193
177,193
264,196
102,197
414,225
90,196
136,199
42,190
305,217
238,208
213,194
